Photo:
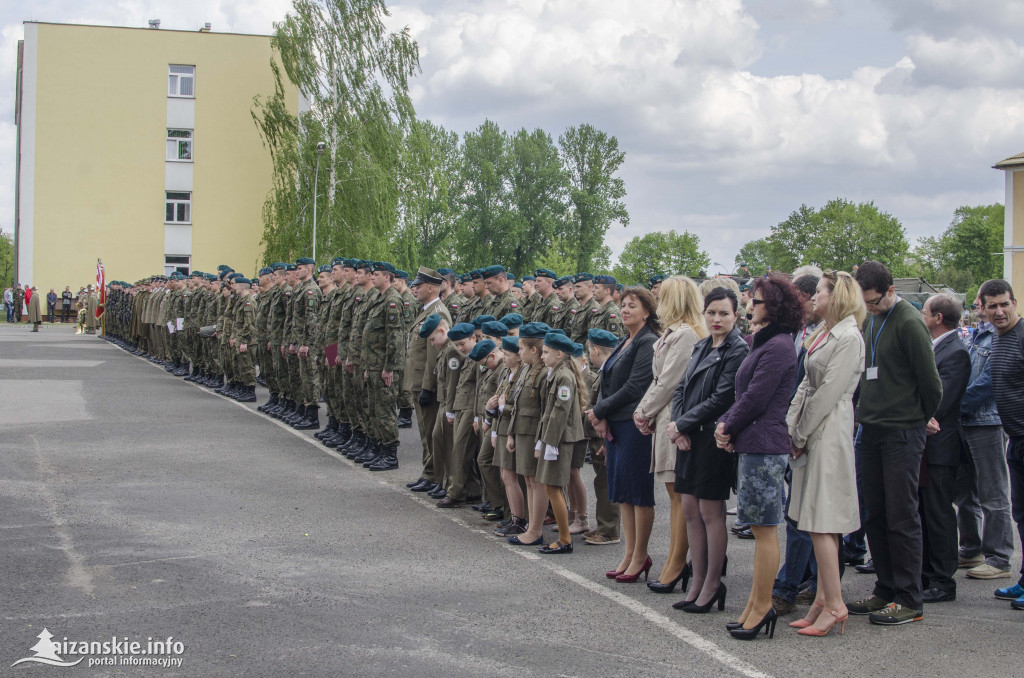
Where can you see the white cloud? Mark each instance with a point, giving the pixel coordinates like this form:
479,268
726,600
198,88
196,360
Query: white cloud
966,62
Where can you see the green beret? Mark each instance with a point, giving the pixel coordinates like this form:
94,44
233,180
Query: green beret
744,288
512,320
224,267
494,329
291,267
428,326
403,275
534,330
482,350
518,284
365,265
465,278
577,351
492,271
602,338
338,261
326,268
655,279
446,271
240,280
476,274
620,287
604,280
302,261
479,321
510,344
383,266
529,278
559,342
354,263
510,276
582,277
461,331
279,266
231,276
266,270
210,277
545,273
563,281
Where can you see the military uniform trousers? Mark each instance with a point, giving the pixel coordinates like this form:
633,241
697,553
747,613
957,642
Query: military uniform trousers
426,423
490,475
245,366
382,404
607,512
463,458
442,440
355,399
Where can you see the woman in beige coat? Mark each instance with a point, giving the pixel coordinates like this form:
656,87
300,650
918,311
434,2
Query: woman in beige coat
679,308
35,313
821,426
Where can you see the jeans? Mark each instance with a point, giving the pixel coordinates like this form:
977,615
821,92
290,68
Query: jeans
1015,460
855,545
10,312
889,462
983,498
51,309
799,556
65,312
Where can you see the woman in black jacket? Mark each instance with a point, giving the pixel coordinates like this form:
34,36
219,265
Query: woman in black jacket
704,472
625,377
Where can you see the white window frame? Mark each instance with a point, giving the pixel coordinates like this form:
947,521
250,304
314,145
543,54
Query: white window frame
174,145
177,74
177,201
170,267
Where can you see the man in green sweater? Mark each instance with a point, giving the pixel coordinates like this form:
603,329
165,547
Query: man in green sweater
900,390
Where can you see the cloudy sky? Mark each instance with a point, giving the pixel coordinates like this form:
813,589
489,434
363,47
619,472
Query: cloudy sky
731,112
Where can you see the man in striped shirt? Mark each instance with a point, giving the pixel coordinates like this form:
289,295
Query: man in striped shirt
1008,385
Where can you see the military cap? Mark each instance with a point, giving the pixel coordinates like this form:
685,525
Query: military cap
602,338
482,350
403,275
534,330
364,265
326,268
302,261
512,320
338,261
465,278
279,266
509,276
383,266
492,271
241,280
476,274
428,276
582,277
655,279
510,344
545,273
620,287
429,325
211,277
559,330
577,350
494,329
518,284
604,280
231,276
559,342
529,278
479,321
444,271
266,270
461,331
224,267
194,274
354,263
291,267
221,274
744,288
563,281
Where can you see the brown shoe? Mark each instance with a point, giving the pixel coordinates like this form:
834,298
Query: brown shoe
448,502
600,540
806,597
783,606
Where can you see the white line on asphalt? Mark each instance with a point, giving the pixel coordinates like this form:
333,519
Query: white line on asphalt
694,640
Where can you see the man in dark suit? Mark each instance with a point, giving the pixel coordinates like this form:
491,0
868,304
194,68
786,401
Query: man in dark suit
942,451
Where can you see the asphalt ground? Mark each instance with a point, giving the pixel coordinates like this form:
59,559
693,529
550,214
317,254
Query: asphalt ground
134,504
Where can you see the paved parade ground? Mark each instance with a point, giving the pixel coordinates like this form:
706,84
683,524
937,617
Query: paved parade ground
134,504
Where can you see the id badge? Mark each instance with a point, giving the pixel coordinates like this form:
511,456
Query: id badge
872,374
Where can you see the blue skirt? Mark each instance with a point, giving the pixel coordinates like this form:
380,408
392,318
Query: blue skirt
630,480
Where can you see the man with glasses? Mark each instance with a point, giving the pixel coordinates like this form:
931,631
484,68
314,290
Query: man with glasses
900,391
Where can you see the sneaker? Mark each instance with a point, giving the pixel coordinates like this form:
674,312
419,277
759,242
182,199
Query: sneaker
1010,593
986,571
600,540
783,606
806,597
1018,604
868,605
895,614
965,563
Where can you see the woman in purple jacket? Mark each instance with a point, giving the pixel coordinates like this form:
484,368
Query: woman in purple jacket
755,426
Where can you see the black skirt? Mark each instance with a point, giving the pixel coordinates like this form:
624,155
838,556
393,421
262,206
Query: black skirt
705,471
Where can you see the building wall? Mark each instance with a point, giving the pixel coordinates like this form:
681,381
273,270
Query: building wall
100,170
1013,237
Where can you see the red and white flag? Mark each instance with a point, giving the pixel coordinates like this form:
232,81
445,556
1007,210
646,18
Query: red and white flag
101,287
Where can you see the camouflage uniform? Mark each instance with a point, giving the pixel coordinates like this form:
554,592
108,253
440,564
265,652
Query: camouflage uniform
383,350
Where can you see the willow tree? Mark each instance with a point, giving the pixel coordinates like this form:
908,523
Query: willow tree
354,74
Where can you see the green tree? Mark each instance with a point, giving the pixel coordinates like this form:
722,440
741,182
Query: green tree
789,239
6,260
355,75
431,195
482,237
974,242
756,254
592,158
660,252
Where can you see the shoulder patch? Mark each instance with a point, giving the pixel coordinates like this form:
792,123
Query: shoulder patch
392,306
611,315
554,308
573,310
514,305
595,310
309,291
564,393
453,363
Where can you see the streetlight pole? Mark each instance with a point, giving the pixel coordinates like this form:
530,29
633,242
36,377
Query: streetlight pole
316,182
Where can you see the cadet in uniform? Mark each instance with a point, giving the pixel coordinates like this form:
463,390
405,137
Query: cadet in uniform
584,286
545,309
565,314
304,323
606,315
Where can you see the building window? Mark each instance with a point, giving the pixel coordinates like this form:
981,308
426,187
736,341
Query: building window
181,264
178,208
181,81
179,144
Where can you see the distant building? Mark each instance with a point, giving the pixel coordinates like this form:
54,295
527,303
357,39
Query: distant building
137,146
1013,230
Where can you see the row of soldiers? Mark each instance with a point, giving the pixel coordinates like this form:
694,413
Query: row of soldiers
345,333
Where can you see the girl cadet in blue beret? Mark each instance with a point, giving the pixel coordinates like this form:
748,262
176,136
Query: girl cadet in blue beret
504,458
523,430
562,396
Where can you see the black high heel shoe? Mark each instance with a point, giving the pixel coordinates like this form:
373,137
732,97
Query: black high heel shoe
685,575
768,624
729,626
719,598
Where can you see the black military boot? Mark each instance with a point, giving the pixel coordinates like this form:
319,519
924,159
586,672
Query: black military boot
247,394
267,405
228,388
388,461
171,366
355,446
276,410
344,435
378,453
312,419
286,408
295,414
326,430
405,417
181,371
236,391
370,452
216,381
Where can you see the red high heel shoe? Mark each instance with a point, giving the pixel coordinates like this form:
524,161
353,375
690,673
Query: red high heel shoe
632,578
837,617
804,623
612,574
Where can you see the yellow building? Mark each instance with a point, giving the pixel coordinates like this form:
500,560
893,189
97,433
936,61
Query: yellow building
1013,230
137,146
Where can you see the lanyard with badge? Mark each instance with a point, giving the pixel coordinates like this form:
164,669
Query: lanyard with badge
872,372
